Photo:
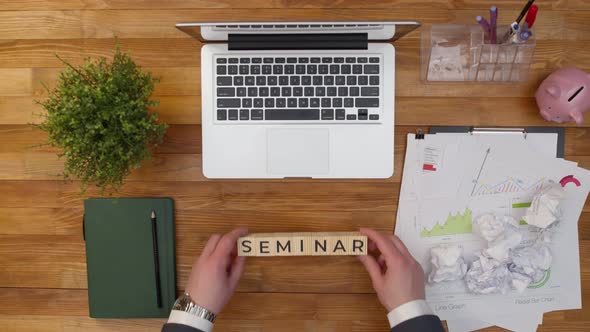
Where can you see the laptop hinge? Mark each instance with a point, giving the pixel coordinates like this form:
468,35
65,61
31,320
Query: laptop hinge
319,41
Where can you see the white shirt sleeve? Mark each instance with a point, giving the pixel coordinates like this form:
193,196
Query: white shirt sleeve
408,311
184,318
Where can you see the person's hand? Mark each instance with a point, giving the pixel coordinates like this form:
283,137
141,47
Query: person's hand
396,276
216,273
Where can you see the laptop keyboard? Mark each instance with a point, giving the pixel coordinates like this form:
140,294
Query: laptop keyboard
328,88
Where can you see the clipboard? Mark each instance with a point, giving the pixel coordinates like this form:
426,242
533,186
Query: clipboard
524,131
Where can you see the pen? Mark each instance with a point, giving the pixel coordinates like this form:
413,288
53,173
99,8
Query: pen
524,10
531,15
156,260
493,24
484,24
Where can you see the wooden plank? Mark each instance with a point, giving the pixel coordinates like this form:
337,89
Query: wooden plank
15,82
160,23
278,195
41,221
31,5
179,139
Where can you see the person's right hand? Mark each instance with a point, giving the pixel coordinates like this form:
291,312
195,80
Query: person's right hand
396,276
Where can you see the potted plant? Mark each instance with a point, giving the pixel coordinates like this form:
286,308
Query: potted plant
98,116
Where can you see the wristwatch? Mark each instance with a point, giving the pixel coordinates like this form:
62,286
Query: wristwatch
186,304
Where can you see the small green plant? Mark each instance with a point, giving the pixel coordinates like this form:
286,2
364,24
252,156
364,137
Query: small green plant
98,116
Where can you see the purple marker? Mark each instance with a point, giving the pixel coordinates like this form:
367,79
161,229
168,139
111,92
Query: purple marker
484,24
493,21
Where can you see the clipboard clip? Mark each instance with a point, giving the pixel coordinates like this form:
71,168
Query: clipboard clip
419,133
476,130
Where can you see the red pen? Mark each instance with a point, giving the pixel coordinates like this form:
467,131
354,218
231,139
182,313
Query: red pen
531,15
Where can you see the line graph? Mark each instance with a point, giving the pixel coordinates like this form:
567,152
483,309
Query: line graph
509,185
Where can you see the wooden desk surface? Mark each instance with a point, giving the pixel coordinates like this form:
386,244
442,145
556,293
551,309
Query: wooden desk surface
42,262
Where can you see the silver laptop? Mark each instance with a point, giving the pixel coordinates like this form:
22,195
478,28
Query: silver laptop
298,99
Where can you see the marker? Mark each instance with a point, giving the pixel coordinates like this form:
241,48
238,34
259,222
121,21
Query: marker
493,24
484,24
514,27
531,15
524,10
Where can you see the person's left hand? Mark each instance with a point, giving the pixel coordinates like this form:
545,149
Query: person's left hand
216,273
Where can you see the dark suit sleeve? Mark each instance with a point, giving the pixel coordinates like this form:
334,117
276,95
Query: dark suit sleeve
426,323
179,328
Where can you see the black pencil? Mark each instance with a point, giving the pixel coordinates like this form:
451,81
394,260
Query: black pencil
524,10
156,260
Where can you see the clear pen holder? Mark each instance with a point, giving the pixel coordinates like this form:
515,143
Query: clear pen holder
457,53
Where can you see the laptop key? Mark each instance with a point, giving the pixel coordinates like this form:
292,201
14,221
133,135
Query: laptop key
279,60
346,69
331,91
305,80
340,114
277,69
303,60
366,102
291,60
326,60
337,102
267,69
233,60
338,60
363,80
244,115
269,102
308,91
255,70
223,80
260,80
342,91
314,102
256,60
244,60
221,70
272,80
323,69
253,92
281,102
232,69
268,60
374,60
263,91
315,60
257,115
354,91
303,102
357,69
244,70
328,80
275,91
351,117
258,102
312,69
221,60
291,102
348,102
297,91
294,80
340,80
326,102
373,80
226,92
238,80
289,69
300,69
374,117
371,69
327,114
247,102
221,115
350,60
286,91
283,80
241,92
334,69
351,80
232,115
292,114
370,91
362,60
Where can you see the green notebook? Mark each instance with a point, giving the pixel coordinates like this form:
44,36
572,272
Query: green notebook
120,257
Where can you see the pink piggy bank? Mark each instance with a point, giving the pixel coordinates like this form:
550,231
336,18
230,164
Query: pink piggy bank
564,95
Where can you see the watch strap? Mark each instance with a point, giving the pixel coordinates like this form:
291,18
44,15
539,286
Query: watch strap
186,304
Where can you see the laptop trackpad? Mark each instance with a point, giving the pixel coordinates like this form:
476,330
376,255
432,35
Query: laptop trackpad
298,152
